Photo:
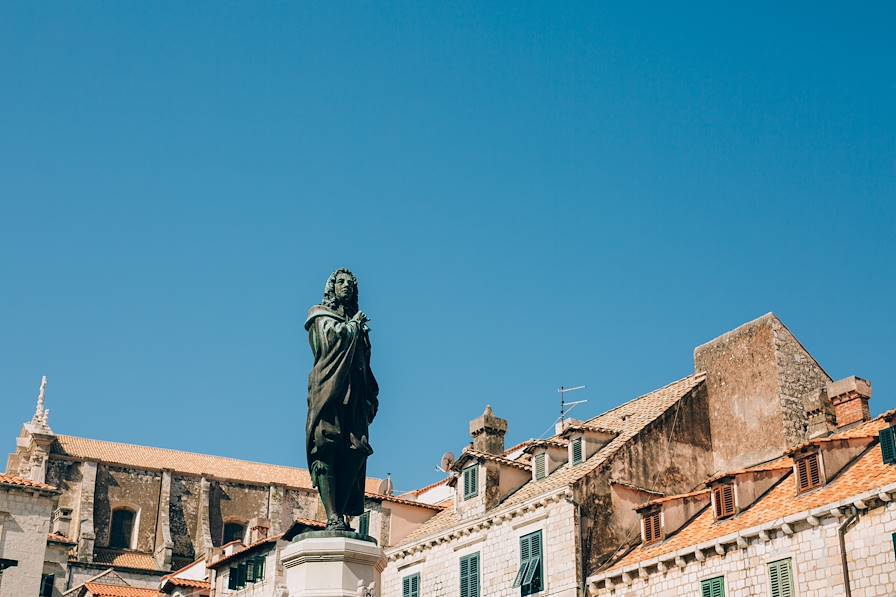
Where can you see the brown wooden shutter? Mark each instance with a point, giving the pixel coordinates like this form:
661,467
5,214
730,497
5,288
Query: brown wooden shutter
652,530
808,471
723,495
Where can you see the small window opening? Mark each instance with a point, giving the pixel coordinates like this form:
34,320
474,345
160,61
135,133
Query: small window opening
122,528
234,531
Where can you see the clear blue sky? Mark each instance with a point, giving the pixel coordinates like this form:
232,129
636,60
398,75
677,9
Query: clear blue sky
531,195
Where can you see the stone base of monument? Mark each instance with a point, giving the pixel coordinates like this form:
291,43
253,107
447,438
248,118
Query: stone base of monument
333,564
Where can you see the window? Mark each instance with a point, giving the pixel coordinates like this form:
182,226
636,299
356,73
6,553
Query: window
471,481
780,579
233,531
250,571
530,576
723,496
894,543
888,445
469,575
410,586
122,528
540,468
46,585
713,587
364,523
652,530
577,450
808,472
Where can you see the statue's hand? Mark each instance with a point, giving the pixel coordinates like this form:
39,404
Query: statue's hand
360,317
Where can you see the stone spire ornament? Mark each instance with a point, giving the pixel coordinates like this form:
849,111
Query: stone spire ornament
40,422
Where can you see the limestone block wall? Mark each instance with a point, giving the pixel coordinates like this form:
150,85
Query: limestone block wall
24,524
499,556
815,562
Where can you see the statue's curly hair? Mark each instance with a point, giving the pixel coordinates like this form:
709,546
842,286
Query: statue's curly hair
330,300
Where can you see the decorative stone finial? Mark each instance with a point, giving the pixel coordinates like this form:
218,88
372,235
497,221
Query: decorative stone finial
40,422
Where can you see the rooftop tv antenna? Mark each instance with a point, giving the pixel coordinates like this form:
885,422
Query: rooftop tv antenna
566,407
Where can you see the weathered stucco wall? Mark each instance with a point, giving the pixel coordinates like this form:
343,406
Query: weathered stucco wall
671,455
756,376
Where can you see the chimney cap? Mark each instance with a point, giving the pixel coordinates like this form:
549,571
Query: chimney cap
849,387
487,421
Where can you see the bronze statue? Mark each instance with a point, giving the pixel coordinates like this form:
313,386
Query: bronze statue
342,400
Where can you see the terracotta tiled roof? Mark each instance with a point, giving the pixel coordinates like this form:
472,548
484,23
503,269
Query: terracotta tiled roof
310,522
125,559
868,429
782,462
423,490
246,549
626,421
60,539
11,481
101,590
400,500
185,462
486,456
666,498
188,582
867,473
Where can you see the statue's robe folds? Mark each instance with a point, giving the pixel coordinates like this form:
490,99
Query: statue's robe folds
342,401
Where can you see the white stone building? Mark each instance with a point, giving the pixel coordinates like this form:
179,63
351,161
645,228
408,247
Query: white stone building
808,524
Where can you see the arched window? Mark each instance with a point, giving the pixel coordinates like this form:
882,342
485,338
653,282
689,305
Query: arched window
122,531
234,531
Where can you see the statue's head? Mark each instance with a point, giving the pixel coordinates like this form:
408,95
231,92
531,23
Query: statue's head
342,289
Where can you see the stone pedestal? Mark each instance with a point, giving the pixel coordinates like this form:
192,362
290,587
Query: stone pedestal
333,567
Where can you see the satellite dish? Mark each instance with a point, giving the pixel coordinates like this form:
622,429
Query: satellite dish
446,462
385,486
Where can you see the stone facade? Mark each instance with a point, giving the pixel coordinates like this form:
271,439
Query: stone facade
757,376
24,526
814,554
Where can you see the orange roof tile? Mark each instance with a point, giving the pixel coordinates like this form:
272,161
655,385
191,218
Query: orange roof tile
125,559
60,539
400,500
866,473
248,548
18,482
188,582
101,590
185,462
310,522
626,420
494,458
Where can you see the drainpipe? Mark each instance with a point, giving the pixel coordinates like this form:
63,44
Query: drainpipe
841,536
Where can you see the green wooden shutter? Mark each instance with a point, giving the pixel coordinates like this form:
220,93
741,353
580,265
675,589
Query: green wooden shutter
540,466
524,561
364,523
469,575
894,543
259,568
713,587
780,578
888,445
577,450
532,580
410,586
233,578
471,481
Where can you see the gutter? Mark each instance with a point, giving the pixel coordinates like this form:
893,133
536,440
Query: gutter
841,536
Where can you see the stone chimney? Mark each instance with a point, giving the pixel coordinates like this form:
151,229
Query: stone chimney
850,398
488,432
258,529
820,417
61,521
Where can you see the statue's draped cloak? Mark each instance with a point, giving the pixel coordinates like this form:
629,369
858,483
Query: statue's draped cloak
342,398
